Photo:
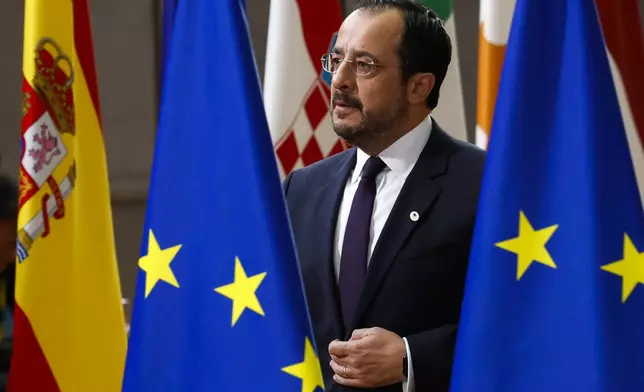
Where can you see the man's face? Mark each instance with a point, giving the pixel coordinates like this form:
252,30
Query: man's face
7,242
365,106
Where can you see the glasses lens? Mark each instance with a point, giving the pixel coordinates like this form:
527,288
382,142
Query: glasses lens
326,63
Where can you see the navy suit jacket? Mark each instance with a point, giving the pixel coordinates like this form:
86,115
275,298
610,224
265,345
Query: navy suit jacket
416,274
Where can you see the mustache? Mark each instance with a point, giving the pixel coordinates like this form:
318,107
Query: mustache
346,100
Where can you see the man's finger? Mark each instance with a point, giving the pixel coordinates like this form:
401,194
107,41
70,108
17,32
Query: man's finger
359,333
340,369
349,382
339,348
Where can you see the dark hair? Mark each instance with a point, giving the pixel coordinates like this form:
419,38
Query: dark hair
8,198
425,46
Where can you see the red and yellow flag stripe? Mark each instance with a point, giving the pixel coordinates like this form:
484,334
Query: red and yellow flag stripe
69,330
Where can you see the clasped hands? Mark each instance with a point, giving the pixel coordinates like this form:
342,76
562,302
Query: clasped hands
371,358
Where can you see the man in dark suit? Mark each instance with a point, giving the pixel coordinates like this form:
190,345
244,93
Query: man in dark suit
383,230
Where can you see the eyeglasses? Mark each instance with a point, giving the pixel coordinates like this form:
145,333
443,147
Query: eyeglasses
331,62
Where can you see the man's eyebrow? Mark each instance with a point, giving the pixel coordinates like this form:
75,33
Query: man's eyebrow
357,53
364,53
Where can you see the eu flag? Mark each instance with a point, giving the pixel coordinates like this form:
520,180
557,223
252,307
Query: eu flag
168,8
219,303
554,297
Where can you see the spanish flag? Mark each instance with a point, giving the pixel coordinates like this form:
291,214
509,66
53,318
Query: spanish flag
69,330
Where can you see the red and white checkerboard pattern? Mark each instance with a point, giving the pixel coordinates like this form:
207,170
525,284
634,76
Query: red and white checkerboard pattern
310,137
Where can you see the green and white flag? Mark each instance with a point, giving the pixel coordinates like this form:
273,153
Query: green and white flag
450,112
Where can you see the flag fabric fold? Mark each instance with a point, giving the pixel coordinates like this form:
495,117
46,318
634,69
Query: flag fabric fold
624,36
168,8
555,288
69,329
219,302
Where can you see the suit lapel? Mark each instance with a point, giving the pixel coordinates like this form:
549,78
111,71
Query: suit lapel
327,210
417,195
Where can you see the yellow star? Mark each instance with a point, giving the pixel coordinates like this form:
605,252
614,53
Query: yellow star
156,264
530,245
630,268
242,291
308,370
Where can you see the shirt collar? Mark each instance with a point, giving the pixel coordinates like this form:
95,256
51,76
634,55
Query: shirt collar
401,156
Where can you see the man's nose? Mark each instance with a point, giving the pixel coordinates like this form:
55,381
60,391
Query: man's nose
344,77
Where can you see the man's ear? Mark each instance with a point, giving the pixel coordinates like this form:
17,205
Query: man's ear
419,87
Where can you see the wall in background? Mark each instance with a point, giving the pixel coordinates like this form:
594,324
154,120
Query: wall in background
126,42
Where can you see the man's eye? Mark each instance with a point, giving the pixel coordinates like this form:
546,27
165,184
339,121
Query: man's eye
363,65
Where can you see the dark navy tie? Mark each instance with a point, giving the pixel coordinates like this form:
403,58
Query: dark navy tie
355,247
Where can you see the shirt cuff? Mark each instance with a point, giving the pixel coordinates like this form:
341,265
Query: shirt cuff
408,385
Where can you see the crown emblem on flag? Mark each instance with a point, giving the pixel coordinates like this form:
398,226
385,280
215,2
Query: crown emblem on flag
48,113
53,84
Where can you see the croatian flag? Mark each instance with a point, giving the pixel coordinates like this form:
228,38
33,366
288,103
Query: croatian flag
296,88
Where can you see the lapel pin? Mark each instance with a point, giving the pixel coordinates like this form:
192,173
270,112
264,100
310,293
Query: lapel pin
413,216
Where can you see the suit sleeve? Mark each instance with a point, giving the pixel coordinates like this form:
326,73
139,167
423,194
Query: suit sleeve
432,352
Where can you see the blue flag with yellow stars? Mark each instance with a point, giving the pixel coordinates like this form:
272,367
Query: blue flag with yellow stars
219,302
554,299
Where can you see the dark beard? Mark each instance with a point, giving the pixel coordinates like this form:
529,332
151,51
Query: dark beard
372,126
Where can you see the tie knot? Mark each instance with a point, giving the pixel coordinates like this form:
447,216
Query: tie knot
373,166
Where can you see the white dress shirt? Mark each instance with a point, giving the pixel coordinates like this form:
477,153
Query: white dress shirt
400,159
